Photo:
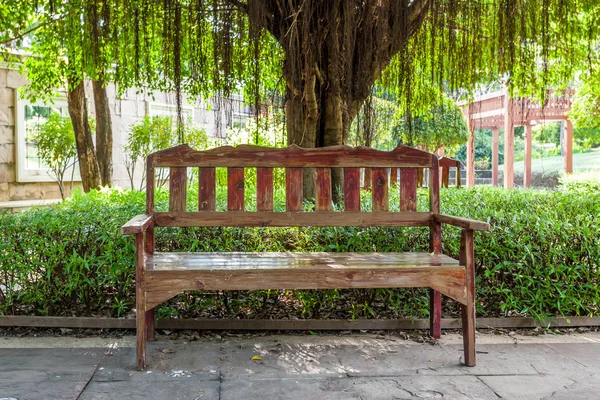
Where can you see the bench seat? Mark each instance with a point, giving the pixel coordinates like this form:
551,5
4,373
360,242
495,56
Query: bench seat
167,274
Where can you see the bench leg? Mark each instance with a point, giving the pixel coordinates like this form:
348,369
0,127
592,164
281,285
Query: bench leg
150,322
435,314
467,258
140,303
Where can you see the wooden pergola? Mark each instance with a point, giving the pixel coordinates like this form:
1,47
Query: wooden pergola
497,111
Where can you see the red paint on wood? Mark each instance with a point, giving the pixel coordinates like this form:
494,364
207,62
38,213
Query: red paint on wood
293,189
408,189
379,184
352,189
323,189
206,193
264,189
235,189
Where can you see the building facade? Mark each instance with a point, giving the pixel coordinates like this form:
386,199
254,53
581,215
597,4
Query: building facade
25,181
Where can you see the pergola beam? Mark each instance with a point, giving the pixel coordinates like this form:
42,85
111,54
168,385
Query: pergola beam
494,111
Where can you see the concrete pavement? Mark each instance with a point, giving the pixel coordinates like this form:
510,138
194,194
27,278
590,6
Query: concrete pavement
303,367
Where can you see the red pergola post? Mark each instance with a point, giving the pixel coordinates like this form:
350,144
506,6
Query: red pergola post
495,147
568,147
471,149
509,142
528,151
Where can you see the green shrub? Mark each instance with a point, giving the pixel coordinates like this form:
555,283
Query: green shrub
582,181
541,258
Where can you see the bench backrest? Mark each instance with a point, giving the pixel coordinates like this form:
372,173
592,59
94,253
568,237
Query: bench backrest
378,163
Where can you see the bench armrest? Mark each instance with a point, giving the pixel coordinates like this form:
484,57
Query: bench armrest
464,223
137,224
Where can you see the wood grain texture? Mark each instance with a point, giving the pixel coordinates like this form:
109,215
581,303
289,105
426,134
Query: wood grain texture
149,185
467,258
137,224
235,261
323,189
379,189
464,223
352,189
264,189
177,189
408,189
162,285
292,218
292,157
393,176
207,199
293,189
435,314
235,189
294,324
140,303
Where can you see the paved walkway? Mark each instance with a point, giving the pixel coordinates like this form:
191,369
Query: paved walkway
302,367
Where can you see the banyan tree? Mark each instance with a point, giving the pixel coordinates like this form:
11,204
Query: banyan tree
324,57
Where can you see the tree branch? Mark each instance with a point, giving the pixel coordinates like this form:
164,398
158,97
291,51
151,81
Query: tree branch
27,32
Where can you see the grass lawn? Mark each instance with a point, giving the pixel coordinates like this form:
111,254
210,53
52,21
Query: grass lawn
550,165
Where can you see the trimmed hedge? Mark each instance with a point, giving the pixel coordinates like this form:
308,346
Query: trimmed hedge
540,259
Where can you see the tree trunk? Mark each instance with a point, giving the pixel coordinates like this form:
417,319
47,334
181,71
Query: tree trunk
334,52
104,140
88,164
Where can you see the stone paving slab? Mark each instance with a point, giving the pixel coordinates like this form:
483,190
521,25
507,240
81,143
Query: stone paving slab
301,367
46,373
406,387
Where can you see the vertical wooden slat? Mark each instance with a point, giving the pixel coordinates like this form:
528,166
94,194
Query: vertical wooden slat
149,186
379,186
393,176
420,175
408,189
264,189
206,189
352,189
177,189
323,189
445,176
457,177
235,189
293,189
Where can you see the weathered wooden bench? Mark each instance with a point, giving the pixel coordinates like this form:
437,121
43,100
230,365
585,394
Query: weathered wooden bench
445,164
161,276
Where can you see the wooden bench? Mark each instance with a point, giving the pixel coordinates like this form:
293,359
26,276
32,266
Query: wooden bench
445,164
160,276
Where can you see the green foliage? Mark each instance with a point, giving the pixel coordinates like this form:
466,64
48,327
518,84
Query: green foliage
582,182
158,133
442,126
56,146
205,48
541,257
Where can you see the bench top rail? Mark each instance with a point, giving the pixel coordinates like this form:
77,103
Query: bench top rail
383,171
291,157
